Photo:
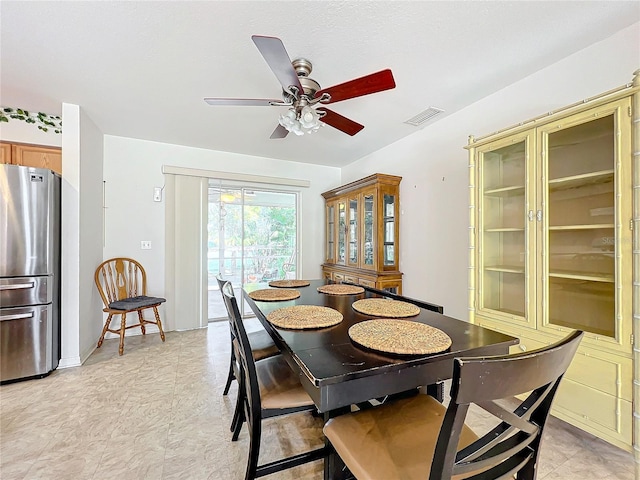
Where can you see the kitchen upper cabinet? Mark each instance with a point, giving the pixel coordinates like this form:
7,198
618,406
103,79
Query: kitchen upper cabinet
5,152
32,156
361,229
551,250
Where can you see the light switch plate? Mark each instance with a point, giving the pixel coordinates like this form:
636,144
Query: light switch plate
157,194
145,245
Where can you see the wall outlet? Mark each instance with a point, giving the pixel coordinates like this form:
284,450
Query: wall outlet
157,194
145,245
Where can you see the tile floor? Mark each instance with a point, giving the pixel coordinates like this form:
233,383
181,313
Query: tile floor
158,412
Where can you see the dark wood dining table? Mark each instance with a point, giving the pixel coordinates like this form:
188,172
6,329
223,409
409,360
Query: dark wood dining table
338,373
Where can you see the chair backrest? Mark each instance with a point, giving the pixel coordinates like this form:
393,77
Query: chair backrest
119,278
512,446
221,283
248,379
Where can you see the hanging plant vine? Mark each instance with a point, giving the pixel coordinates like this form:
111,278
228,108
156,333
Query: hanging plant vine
44,121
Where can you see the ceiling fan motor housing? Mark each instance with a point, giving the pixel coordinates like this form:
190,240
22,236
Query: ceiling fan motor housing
303,68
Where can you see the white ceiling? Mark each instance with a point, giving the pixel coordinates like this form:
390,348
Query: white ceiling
142,68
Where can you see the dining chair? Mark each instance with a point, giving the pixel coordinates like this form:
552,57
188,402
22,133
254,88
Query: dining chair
266,388
122,284
419,438
262,345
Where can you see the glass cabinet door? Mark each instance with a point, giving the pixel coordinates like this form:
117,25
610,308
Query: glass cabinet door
353,232
504,217
582,214
389,221
368,230
342,233
330,247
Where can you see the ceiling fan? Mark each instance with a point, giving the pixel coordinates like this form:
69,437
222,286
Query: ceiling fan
304,95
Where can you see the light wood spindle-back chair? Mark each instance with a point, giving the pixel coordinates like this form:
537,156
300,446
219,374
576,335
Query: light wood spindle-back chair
122,283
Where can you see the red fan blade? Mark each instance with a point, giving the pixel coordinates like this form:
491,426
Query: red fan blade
341,123
376,82
279,132
273,51
243,102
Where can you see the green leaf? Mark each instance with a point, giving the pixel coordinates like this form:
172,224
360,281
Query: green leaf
20,111
8,110
3,118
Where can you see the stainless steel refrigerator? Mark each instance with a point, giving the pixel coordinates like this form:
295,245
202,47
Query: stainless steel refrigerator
30,214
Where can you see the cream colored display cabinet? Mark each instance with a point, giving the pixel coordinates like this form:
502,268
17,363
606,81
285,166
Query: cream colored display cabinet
551,250
361,233
31,156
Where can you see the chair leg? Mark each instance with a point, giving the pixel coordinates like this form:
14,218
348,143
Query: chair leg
104,330
238,417
236,422
254,449
123,325
141,321
155,312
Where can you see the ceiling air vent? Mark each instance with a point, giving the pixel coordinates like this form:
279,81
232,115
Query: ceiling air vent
424,117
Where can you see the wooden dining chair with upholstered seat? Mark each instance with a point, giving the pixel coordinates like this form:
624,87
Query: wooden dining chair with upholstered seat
122,284
419,438
266,388
262,345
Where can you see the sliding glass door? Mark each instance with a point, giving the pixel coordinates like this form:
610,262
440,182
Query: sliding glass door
252,238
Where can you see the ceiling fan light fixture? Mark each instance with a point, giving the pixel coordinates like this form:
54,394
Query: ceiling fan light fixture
301,121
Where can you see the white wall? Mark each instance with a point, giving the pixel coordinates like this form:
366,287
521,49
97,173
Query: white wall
132,168
91,234
434,191
82,154
22,132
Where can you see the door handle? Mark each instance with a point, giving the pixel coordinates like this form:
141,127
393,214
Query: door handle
17,316
17,286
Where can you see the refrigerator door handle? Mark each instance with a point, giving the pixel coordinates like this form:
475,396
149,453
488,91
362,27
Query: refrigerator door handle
18,316
17,286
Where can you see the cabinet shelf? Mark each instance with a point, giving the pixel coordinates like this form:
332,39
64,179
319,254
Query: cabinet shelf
505,229
578,275
511,191
505,268
595,226
584,180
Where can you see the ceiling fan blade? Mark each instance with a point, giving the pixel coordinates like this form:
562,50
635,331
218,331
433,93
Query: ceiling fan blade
244,102
279,132
341,123
376,82
273,51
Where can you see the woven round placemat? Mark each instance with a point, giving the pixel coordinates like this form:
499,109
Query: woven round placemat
274,294
381,307
399,336
289,283
339,289
299,317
